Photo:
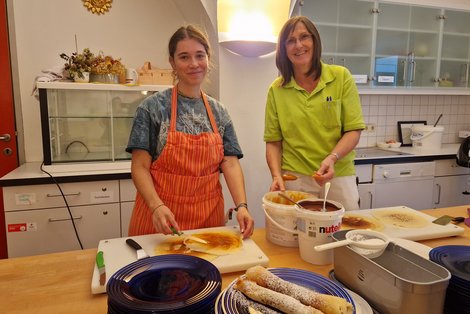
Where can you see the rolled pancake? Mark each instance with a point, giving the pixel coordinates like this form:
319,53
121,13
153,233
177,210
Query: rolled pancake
282,302
218,242
357,221
328,304
405,218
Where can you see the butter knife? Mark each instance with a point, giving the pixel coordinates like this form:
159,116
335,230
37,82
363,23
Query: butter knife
101,267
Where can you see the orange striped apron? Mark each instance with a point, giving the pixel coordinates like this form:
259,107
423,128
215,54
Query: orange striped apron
186,177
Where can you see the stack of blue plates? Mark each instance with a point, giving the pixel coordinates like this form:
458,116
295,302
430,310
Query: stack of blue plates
173,283
230,302
456,258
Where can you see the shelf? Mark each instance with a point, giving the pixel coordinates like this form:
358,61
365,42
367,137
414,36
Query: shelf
100,86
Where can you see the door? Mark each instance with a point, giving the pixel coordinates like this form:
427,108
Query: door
8,147
451,191
407,45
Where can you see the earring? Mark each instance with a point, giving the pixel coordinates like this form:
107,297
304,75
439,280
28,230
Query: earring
174,74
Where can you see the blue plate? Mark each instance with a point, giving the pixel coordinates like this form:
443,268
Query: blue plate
172,283
456,258
227,303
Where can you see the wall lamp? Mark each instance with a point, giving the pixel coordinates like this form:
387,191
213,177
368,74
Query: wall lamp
250,27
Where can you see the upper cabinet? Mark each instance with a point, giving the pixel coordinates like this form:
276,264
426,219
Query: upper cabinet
392,44
346,30
455,52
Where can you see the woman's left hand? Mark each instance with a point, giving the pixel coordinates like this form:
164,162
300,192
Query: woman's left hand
246,222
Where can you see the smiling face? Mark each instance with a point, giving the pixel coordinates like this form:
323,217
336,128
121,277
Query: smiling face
190,61
299,48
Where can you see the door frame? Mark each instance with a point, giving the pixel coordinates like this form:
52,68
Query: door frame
7,112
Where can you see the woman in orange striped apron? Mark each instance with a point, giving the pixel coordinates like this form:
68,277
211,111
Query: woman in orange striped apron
180,142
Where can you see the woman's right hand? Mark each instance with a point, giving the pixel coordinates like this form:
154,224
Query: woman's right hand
277,184
163,219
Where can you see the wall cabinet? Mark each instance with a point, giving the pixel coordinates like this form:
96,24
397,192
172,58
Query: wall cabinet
394,44
88,122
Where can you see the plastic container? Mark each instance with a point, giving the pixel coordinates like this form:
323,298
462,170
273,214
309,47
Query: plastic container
284,214
426,137
398,281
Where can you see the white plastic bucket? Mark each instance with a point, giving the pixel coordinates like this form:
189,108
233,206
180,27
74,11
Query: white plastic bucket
278,210
314,228
426,137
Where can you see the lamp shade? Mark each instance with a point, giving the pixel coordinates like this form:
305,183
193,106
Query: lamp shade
250,27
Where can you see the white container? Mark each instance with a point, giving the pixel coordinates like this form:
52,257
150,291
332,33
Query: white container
276,208
426,137
314,228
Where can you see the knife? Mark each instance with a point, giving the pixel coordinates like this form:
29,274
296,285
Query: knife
136,246
101,267
446,219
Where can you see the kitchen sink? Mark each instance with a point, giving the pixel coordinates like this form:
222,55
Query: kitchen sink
371,152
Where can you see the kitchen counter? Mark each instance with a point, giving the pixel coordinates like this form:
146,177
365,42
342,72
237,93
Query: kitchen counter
60,282
405,154
30,173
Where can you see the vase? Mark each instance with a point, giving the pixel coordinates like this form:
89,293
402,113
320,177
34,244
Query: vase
105,78
84,79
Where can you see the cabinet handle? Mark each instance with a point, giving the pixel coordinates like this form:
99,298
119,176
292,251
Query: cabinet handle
438,194
60,195
64,219
405,70
371,198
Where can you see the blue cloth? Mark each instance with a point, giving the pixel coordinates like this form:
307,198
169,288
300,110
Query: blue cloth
152,122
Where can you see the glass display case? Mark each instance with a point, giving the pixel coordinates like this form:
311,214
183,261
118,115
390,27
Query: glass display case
85,122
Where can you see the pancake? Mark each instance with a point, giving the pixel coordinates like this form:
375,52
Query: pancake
357,221
404,218
175,245
218,242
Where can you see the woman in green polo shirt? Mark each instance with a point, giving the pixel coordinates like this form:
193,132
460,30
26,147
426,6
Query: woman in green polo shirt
313,118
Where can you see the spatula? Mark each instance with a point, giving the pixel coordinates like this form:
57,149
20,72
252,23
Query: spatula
195,239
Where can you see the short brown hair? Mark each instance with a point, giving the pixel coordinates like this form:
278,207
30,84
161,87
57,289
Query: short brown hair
283,63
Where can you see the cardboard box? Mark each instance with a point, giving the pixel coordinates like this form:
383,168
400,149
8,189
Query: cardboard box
154,76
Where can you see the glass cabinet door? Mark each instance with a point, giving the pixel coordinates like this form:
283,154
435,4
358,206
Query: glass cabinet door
87,125
407,45
346,30
455,53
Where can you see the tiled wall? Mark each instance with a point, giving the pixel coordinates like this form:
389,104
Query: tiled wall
384,111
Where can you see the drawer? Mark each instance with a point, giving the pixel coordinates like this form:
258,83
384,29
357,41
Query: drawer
448,167
127,190
48,195
364,173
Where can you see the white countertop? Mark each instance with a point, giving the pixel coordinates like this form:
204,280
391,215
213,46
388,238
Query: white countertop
445,149
33,170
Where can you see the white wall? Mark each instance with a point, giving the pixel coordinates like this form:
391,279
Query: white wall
135,31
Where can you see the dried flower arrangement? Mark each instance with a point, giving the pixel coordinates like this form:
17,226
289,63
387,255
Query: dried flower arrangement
107,65
78,63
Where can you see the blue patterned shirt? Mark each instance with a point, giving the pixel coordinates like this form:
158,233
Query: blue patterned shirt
152,123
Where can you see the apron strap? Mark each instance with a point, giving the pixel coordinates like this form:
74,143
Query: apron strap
174,108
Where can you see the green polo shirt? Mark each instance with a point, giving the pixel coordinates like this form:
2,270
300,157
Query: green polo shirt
310,124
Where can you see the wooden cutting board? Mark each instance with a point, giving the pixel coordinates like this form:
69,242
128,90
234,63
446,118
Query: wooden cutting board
118,254
430,231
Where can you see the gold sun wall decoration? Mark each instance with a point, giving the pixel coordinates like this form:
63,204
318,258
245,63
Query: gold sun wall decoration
97,6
